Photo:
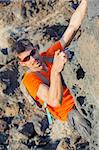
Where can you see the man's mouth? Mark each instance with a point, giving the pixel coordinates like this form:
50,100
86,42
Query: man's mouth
38,61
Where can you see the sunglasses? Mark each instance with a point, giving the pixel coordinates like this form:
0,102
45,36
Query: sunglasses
27,58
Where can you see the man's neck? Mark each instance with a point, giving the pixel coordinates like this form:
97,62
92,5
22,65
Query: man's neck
45,67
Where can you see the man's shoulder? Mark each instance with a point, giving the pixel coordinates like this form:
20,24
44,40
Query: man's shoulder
30,82
60,44
27,74
29,77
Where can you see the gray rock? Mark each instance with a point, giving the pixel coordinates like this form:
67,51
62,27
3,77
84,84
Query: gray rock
28,129
3,58
63,145
40,121
93,8
3,126
85,66
9,76
3,138
32,21
11,110
5,2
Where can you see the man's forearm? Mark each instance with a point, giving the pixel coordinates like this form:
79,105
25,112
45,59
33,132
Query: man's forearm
75,22
78,15
56,89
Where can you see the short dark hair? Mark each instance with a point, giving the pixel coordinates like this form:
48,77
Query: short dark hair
22,45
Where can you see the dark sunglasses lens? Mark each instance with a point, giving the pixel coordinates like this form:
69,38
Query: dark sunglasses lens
26,58
32,53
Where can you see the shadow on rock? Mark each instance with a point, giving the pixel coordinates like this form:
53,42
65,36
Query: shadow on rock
54,32
9,78
28,130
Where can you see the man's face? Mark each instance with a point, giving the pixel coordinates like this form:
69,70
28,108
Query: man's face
31,59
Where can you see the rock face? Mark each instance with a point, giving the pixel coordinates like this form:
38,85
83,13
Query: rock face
43,23
81,74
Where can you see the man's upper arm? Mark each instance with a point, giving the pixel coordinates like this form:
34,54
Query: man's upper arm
36,87
42,92
32,83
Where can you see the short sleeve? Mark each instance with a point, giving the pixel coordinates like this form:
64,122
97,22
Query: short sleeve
58,45
31,83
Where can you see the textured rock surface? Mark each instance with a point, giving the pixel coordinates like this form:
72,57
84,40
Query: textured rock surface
44,22
81,74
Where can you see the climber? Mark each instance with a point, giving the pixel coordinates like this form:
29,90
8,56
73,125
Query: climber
43,81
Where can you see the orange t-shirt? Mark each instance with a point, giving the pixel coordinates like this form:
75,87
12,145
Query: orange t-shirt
32,82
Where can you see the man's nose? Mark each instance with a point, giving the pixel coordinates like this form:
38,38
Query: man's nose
35,56
32,58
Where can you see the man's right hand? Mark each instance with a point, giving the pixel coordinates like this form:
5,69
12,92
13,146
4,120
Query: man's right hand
60,59
53,93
